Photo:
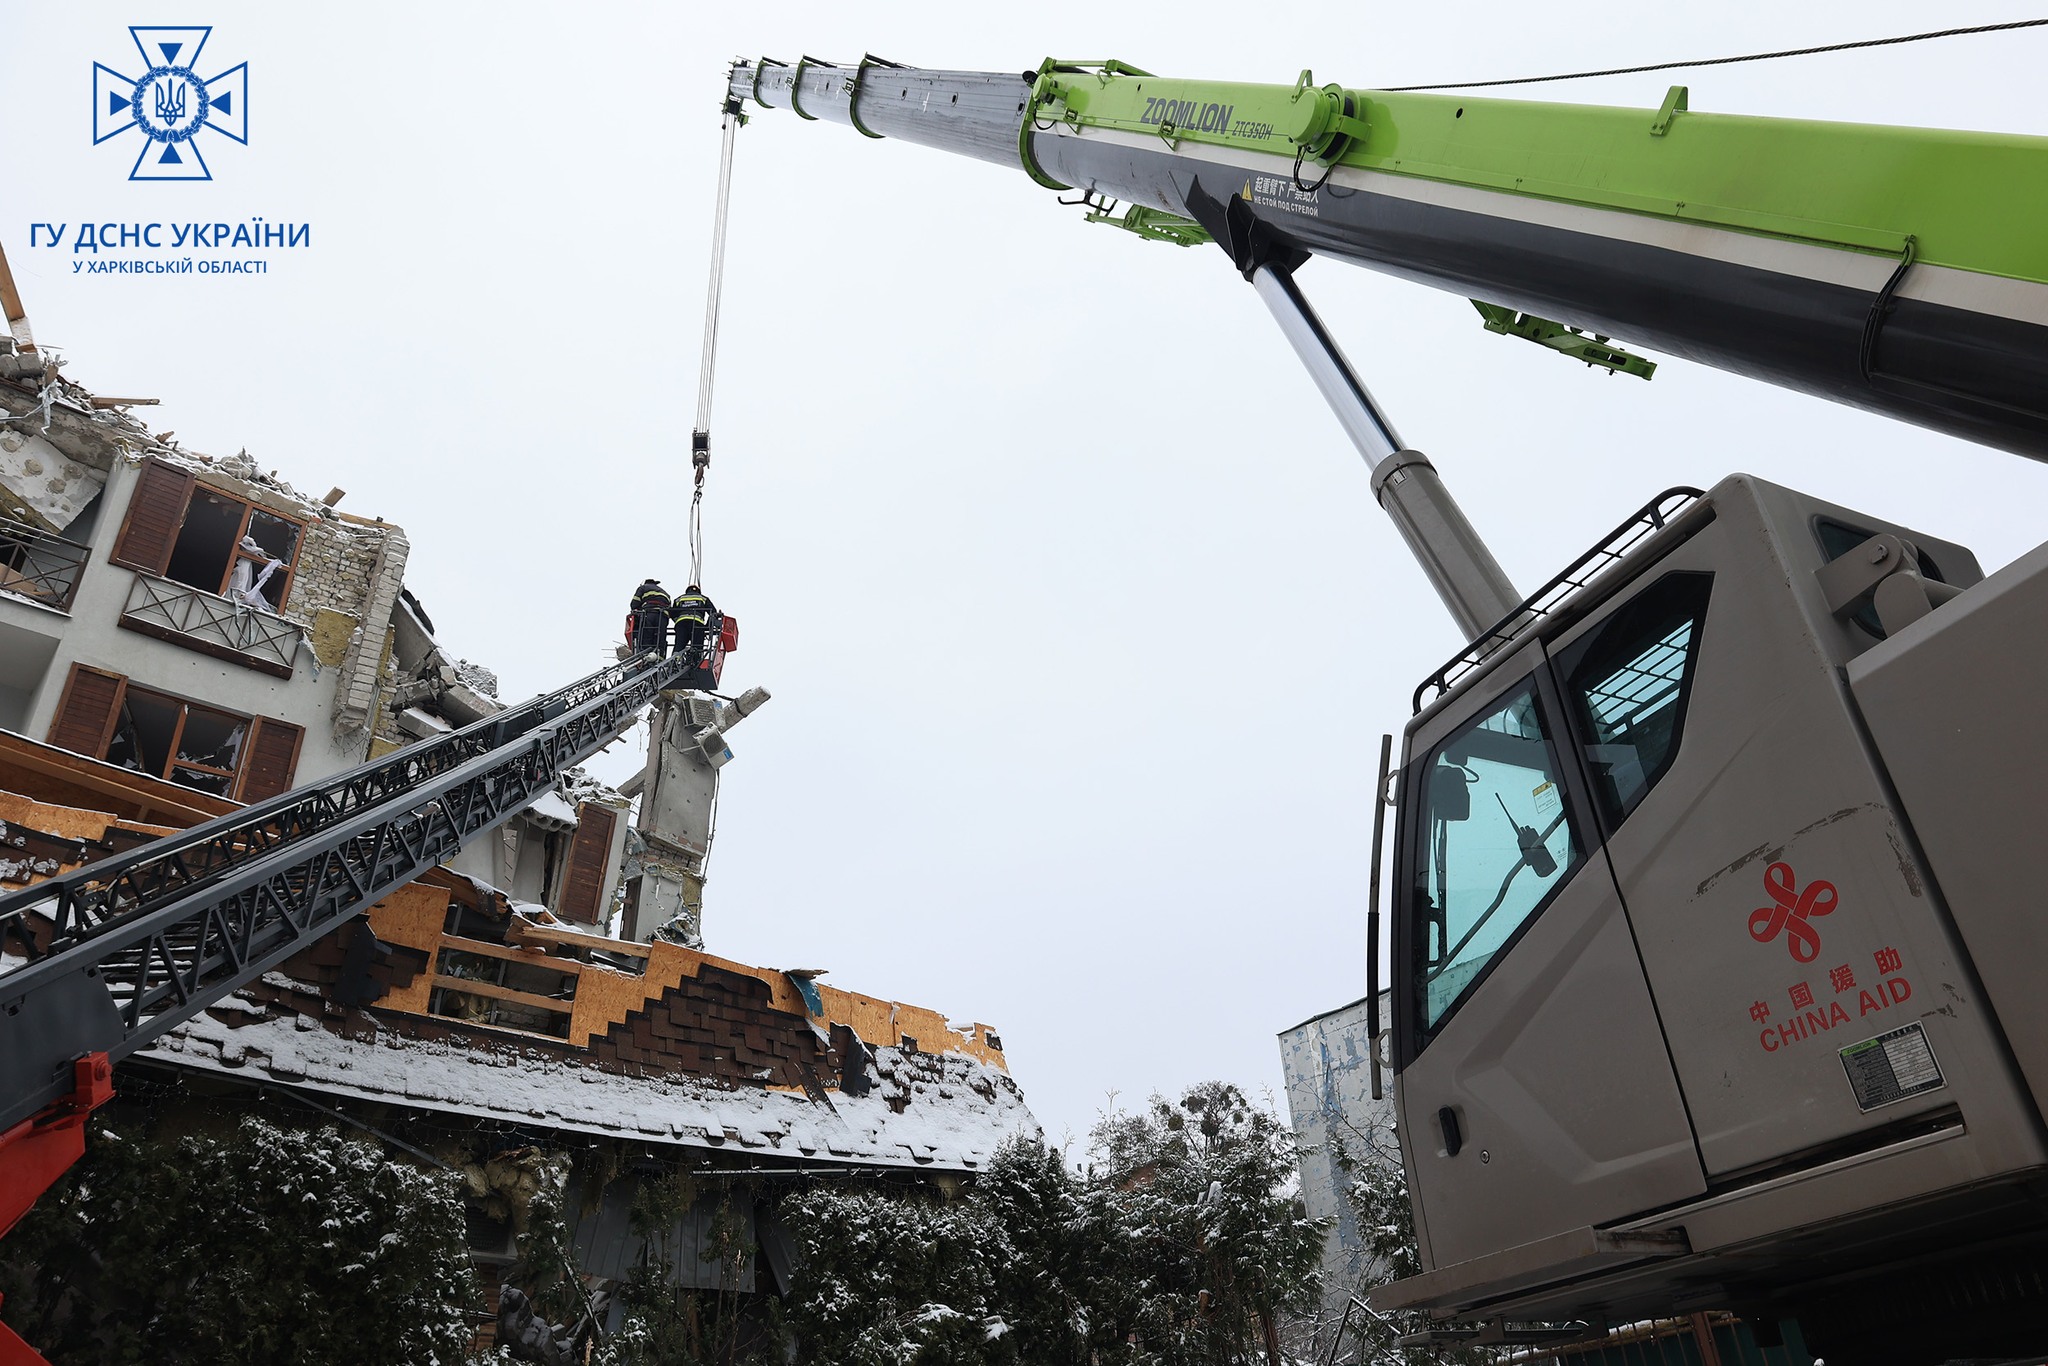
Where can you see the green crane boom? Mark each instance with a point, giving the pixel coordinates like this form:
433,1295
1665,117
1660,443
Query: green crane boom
1900,270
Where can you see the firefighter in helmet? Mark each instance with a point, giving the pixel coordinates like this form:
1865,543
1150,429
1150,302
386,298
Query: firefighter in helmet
695,619
647,618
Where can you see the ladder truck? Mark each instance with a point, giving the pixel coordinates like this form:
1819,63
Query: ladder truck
1716,941
99,962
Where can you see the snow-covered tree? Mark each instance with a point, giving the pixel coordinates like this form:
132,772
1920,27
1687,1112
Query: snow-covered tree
258,1245
1180,1246
1220,1247
1059,1286
892,1281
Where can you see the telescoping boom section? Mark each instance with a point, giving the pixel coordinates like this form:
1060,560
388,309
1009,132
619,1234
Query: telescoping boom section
1902,270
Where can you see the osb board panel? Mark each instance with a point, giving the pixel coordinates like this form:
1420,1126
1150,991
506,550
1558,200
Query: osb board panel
720,1025
879,1023
886,1023
71,822
607,998
413,916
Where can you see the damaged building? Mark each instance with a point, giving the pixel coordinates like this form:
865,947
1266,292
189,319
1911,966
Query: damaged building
182,636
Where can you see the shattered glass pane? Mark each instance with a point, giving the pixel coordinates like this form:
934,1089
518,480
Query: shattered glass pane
142,736
202,781
279,538
211,738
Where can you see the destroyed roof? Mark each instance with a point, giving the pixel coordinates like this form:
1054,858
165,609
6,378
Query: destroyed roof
656,1042
936,1110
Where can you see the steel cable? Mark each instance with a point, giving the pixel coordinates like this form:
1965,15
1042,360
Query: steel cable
1728,61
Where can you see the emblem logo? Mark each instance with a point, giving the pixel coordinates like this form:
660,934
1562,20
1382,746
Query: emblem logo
1791,912
170,103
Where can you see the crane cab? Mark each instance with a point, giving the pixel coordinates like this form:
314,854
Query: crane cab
1715,938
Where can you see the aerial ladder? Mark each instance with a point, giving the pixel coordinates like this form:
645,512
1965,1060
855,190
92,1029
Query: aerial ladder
1716,938
101,961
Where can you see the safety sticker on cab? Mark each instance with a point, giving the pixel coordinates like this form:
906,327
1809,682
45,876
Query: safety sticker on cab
1891,1067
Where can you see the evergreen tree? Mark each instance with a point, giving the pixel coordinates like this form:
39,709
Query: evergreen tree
1058,1287
259,1246
1220,1247
890,1282
1181,1246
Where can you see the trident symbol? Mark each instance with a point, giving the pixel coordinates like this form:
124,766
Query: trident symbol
1790,910
170,106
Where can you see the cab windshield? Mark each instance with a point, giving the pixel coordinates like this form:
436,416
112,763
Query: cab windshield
1497,840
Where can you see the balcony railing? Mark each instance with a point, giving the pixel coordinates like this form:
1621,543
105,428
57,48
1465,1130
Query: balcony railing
211,625
39,566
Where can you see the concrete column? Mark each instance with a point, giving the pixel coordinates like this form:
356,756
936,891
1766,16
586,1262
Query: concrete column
678,792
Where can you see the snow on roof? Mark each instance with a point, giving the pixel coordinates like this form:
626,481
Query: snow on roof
956,1111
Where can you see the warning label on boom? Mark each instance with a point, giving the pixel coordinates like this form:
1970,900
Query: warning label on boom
1891,1067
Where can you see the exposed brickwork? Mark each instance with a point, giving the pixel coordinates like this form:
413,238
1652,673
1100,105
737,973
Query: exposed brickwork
336,560
353,568
363,686
720,1024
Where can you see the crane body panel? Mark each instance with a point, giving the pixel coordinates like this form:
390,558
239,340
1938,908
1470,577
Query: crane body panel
1671,957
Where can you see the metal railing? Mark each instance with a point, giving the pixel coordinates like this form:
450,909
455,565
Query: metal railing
1546,601
211,625
39,566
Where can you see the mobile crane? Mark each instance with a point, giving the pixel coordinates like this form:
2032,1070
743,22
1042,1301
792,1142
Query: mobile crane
1714,938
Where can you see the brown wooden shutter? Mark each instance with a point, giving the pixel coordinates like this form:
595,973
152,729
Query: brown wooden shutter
86,712
589,852
269,758
155,512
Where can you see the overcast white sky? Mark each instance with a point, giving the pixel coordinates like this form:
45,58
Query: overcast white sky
1081,622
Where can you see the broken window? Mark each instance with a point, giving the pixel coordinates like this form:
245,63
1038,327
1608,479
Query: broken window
167,737
103,716
204,538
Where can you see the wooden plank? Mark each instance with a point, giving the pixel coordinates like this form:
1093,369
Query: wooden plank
548,934
10,305
530,957
50,774
72,822
492,989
